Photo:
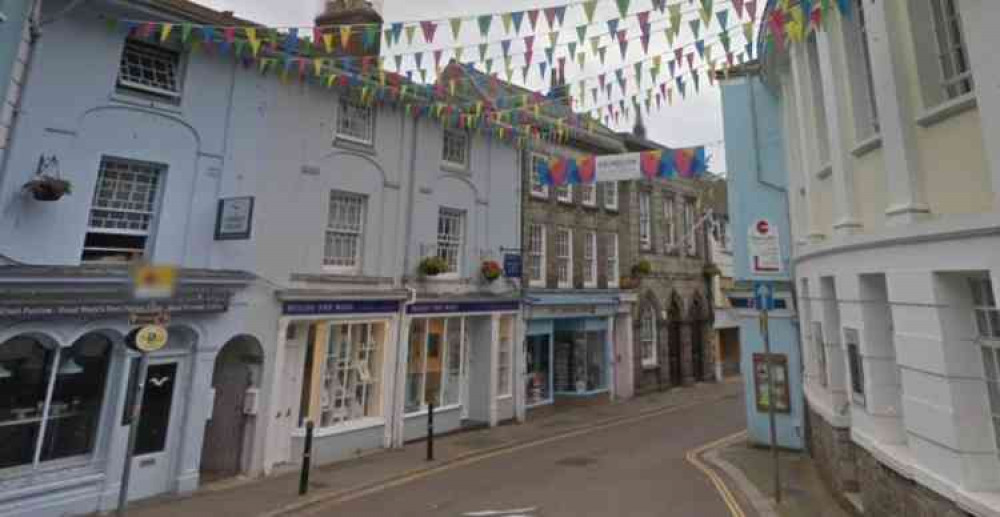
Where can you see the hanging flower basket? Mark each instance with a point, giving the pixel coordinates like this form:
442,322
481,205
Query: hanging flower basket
432,266
491,270
642,268
48,188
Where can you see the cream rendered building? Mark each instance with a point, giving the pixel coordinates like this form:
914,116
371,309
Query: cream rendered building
892,141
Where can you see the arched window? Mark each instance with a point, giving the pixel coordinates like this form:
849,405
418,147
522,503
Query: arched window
50,399
647,338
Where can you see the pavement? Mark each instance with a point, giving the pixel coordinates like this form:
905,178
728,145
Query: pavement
617,459
748,470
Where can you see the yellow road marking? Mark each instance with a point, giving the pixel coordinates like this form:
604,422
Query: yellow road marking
322,502
693,458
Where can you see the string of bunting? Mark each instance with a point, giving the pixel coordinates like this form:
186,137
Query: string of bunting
587,170
787,24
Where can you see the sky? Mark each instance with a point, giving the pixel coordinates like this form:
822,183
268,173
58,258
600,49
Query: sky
696,120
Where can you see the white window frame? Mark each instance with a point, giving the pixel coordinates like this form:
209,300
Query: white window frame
855,365
669,224
343,112
866,123
953,54
822,139
448,145
155,52
111,206
645,221
564,193
986,322
371,350
538,189
590,259
353,231
451,245
612,266
536,251
447,362
588,194
505,357
610,195
564,261
647,338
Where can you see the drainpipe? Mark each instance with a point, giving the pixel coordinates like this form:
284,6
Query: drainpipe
35,33
397,422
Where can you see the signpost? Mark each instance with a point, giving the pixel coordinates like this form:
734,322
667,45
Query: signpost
763,293
148,283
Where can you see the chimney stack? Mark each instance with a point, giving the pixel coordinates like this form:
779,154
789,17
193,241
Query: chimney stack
352,12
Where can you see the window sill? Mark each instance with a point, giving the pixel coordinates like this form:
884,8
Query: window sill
346,427
341,271
423,412
540,195
825,171
867,145
351,144
141,100
646,366
565,201
589,205
508,396
947,110
456,168
592,285
611,208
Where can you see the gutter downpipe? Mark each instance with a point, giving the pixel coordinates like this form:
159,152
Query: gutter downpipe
35,24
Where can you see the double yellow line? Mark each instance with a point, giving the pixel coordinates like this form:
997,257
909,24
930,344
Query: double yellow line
694,457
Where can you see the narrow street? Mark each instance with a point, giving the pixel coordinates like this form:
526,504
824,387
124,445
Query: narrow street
635,469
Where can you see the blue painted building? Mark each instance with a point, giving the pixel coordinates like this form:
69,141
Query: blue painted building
758,201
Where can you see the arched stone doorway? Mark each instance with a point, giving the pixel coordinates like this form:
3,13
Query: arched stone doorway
698,339
229,432
674,342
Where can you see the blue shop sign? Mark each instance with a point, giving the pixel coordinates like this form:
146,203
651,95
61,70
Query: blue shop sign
308,308
448,307
512,265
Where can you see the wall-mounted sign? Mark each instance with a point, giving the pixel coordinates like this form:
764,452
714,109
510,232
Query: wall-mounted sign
153,282
764,247
234,220
449,307
307,308
512,265
779,373
150,338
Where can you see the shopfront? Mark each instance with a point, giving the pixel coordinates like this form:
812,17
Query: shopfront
569,348
460,357
339,367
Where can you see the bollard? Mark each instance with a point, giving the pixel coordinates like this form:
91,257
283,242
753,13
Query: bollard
306,459
430,432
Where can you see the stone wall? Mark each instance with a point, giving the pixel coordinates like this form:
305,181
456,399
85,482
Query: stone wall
846,467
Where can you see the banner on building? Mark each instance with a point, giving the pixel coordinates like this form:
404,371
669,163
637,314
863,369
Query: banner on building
669,164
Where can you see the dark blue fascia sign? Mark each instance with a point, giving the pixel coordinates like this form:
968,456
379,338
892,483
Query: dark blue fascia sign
512,265
309,308
448,307
763,296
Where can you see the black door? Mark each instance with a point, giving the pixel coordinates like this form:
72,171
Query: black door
674,345
698,351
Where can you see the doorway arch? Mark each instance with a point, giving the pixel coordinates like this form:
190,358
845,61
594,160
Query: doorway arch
229,431
697,318
674,344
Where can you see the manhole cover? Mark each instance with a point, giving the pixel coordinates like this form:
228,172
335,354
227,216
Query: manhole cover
577,461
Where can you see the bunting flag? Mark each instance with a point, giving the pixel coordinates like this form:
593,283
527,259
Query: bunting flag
738,5
410,30
595,44
456,27
588,8
612,26
506,19
675,18
428,28
581,33
561,14
723,18
700,47
517,17
553,38
550,16
684,163
623,43
660,5
751,9
695,28
484,25
623,7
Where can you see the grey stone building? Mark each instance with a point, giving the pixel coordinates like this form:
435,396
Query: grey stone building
672,321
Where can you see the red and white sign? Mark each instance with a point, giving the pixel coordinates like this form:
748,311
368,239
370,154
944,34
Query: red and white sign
764,248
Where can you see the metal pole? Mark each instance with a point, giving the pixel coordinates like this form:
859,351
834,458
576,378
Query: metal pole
430,432
306,459
136,388
770,406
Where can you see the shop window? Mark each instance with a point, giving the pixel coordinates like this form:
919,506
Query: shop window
647,338
536,255
564,257
645,233
355,121
150,69
539,370
435,367
610,195
611,265
505,357
50,400
451,237
590,259
855,366
352,373
820,348
344,231
538,188
123,210
455,152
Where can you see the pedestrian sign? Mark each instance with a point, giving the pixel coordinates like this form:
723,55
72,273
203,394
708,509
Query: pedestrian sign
763,296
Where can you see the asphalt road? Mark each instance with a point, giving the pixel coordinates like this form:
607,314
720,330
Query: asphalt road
637,469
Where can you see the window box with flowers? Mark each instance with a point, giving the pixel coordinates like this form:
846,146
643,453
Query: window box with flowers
432,266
